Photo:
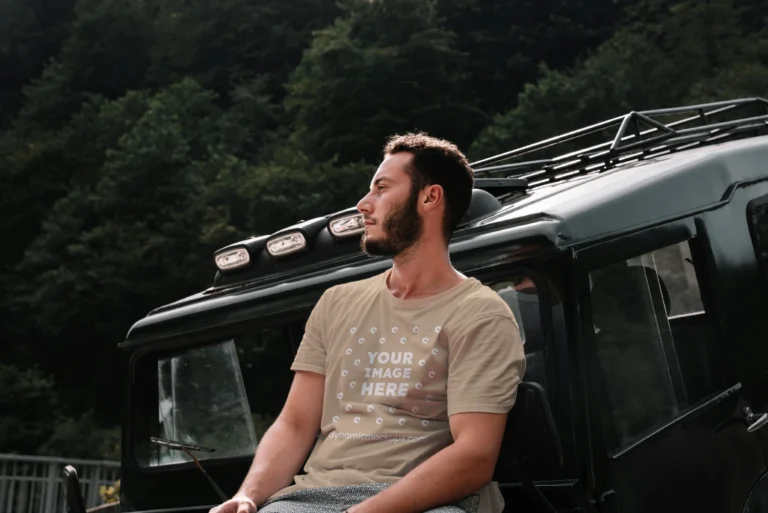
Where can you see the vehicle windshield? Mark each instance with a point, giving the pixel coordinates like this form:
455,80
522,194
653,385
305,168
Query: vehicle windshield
223,396
226,395
202,401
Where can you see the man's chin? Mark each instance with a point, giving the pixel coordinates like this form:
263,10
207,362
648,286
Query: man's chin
373,247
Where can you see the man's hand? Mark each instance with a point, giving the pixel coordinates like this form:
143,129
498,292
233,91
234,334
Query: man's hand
283,447
237,504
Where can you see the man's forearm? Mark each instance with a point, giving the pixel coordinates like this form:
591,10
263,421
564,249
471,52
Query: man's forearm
448,476
278,459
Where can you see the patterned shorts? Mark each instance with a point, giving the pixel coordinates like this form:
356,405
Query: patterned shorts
337,499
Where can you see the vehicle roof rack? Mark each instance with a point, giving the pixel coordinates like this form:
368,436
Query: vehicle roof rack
640,135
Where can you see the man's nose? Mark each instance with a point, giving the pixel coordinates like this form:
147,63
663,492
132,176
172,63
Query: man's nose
364,205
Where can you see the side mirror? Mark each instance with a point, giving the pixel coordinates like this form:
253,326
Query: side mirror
72,493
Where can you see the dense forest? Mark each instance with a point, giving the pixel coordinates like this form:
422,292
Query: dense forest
136,137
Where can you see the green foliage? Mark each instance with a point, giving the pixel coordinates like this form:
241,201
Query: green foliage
506,41
291,187
357,83
108,52
228,43
33,420
81,437
142,213
38,167
31,32
137,137
27,400
141,232
695,51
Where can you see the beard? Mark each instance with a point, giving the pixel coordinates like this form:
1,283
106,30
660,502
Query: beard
401,228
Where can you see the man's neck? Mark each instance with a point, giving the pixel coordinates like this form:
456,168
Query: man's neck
423,272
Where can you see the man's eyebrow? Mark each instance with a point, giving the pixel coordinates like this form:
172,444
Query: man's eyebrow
382,179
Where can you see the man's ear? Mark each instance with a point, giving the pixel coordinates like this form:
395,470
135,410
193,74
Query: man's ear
434,196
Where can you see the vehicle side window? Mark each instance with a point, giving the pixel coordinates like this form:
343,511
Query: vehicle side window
757,217
655,344
522,296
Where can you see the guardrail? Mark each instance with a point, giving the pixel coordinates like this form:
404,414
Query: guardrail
33,484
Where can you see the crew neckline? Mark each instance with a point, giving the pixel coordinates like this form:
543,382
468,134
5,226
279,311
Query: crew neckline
416,303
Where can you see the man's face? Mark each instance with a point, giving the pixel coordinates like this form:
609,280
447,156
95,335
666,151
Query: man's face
390,209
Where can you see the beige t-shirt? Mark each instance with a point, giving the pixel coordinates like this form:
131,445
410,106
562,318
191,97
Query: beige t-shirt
396,370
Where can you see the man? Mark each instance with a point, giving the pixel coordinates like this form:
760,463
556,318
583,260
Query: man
407,376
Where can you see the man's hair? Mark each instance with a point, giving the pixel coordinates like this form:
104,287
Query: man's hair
438,162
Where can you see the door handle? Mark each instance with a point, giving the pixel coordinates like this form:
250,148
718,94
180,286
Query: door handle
754,420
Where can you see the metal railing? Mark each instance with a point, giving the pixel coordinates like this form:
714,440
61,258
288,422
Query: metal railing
33,484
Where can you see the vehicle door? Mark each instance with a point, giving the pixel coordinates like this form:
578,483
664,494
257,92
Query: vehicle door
757,297
665,384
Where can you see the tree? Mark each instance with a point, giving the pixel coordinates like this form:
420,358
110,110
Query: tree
141,232
290,187
108,51
684,58
38,167
127,240
358,84
28,399
31,32
508,41
223,44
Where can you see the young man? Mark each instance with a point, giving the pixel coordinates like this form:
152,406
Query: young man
407,376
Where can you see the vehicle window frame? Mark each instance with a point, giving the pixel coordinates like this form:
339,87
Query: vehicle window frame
619,249
550,276
168,346
762,260
490,277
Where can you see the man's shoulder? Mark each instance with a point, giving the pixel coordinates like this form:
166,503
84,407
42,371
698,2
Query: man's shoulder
480,302
481,298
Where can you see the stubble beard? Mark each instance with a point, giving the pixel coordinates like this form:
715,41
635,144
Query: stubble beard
402,230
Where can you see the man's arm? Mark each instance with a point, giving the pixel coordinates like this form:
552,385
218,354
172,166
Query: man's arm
453,473
485,364
287,442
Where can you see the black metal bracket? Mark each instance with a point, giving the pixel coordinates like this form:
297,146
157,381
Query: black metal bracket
500,186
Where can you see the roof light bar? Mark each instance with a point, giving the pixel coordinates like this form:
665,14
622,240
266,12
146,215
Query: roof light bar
232,259
286,244
347,226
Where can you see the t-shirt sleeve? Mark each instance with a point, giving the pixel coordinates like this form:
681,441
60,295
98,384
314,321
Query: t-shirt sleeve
485,365
313,347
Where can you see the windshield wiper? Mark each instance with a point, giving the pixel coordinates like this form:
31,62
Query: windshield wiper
181,446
